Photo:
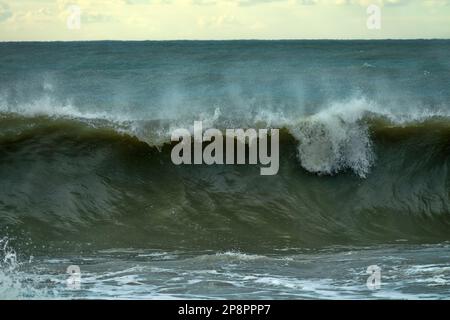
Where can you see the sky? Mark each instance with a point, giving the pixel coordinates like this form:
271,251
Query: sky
48,20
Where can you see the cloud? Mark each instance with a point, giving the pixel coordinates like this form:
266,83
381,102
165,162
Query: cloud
36,15
218,21
97,18
143,2
244,3
437,2
377,2
256,2
204,2
307,2
223,19
5,12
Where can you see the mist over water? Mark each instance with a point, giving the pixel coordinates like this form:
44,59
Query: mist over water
87,177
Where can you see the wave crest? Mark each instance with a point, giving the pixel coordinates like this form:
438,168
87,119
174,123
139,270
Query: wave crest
335,139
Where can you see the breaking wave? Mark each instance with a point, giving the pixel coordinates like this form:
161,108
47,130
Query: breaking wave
336,139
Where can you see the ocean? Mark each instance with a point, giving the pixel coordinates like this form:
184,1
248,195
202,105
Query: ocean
87,178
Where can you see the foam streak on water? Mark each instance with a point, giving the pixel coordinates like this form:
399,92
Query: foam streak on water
415,272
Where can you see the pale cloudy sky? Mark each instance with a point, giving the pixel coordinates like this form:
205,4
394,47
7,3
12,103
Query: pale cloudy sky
221,19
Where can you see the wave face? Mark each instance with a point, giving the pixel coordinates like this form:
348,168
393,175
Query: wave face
338,183
85,143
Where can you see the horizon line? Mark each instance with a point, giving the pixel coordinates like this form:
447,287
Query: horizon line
225,40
